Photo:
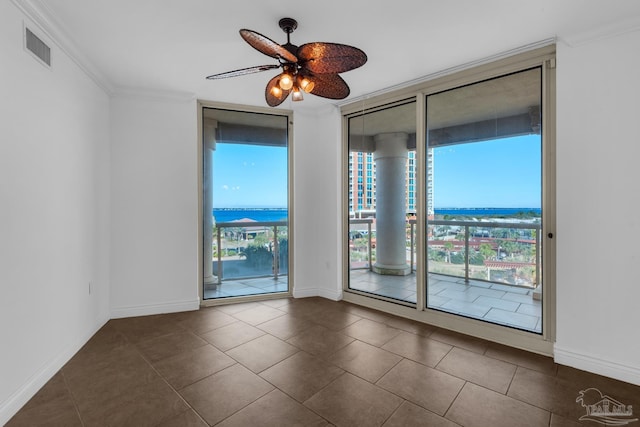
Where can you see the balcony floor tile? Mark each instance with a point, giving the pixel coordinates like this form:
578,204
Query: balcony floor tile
497,303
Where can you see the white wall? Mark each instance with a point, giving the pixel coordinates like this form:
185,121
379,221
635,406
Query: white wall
598,226
154,205
317,182
54,212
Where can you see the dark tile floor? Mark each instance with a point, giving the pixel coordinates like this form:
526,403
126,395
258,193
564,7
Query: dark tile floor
306,362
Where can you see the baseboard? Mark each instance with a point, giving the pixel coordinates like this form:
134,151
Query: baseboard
20,397
330,294
305,293
317,292
595,365
149,309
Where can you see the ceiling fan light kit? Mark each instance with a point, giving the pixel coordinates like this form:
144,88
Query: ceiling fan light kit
311,68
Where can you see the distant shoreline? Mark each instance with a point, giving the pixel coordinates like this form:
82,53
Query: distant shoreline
279,214
256,214
487,211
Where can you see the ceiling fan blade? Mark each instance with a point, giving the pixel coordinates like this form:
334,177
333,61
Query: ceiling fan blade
330,58
267,46
273,100
330,86
243,71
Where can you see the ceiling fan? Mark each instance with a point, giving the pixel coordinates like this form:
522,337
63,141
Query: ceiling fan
312,67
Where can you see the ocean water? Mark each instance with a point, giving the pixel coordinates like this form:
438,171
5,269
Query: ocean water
261,215
257,214
475,212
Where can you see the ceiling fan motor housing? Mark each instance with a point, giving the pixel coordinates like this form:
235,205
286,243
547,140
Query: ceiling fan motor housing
288,25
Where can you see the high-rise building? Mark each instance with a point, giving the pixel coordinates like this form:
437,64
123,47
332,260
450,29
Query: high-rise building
362,183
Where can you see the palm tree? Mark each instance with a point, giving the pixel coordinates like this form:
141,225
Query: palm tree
486,250
510,247
448,246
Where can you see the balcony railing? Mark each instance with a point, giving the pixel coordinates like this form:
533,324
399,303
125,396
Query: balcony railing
516,246
237,257
355,237
466,249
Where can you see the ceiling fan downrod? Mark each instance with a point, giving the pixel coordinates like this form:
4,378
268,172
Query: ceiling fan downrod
288,25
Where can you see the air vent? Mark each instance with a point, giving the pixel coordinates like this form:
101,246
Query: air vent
38,47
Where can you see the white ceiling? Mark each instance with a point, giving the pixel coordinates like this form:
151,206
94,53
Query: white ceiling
171,45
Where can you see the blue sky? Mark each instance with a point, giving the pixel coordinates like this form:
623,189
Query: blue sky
246,176
500,173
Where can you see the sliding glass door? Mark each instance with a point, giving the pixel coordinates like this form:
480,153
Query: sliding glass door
245,181
485,201
449,201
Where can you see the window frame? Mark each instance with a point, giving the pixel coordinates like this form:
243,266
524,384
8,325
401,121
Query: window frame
201,104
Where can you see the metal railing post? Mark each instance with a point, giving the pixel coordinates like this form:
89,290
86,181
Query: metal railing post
466,254
276,255
219,243
411,225
370,254
538,256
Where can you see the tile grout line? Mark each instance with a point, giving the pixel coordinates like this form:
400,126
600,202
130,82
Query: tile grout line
453,401
292,397
550,411
248,404
506,393
319,391
258,373
171,386
73,397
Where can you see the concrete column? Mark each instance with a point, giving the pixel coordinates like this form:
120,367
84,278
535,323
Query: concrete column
209,147
391,160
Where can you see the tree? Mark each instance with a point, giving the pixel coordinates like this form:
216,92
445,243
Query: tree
448,246
476,258
500,233
458,258
258,256
283,252
510,247
486,250
236,236
435,255
530,253
260,240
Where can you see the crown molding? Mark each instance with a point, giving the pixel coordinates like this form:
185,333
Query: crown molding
448,71
42,16
629,25
153,94
314,110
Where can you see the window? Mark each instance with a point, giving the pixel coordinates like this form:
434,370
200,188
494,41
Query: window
245,203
